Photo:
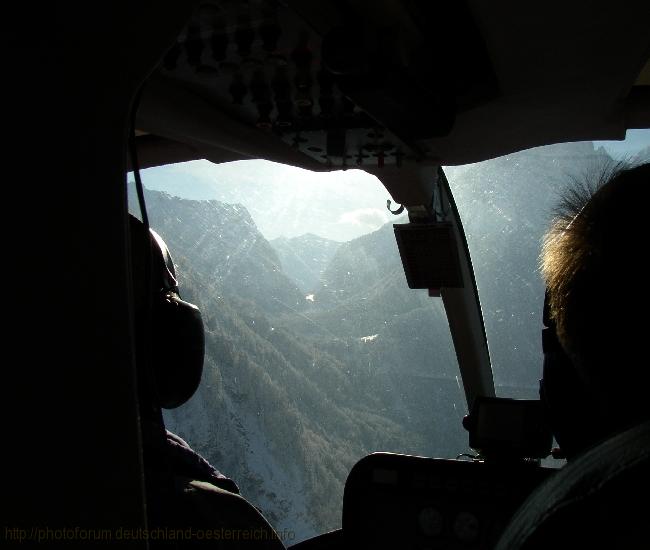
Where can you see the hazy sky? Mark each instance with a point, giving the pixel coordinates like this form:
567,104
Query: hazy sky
283,200
635,140
289,201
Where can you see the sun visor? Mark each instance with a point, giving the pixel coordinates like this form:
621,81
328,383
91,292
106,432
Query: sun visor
429,255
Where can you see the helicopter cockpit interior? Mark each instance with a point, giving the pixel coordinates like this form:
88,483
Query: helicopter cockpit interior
411,92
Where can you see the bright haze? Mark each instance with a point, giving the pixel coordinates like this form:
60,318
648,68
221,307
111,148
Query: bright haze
283,200
288,201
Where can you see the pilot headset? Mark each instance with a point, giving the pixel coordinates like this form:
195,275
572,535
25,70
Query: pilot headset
176,346
570,410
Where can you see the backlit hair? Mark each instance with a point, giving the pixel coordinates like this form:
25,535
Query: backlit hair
592,257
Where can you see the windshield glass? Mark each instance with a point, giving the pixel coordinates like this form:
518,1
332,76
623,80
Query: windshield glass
317,353
506,205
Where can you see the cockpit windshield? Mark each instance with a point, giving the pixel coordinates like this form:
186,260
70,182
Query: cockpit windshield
506,205
317,352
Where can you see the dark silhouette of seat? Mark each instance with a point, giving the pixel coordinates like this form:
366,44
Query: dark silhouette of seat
598,500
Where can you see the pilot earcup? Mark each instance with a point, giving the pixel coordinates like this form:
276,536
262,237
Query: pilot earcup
178,349
175,345
570,410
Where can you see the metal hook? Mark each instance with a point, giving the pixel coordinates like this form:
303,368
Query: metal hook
395,212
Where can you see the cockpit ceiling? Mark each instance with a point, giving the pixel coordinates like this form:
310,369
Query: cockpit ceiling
644,76
357,83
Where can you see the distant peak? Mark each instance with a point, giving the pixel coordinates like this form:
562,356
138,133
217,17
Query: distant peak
313,237
304,238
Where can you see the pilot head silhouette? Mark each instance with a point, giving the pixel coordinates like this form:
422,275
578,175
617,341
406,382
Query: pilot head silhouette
593,262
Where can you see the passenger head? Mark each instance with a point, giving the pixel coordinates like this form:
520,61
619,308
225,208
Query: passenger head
593,262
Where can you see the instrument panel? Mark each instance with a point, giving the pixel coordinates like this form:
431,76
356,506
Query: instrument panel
400,501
